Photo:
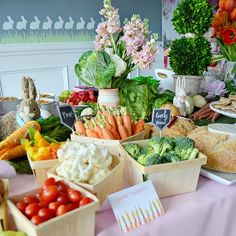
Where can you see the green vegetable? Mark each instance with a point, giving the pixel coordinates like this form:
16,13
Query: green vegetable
231,86
12,233
185,148
133,150
163,150
21,166
163,98
221,119
138,96
53,128
95,68
64,95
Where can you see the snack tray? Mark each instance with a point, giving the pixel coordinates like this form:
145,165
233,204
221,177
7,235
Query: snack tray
225,113
220,177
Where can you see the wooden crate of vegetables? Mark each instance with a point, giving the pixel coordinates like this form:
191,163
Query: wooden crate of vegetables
74,215
41,153
91,166
109,127
173,164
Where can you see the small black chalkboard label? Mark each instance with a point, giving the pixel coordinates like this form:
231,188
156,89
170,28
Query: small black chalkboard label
161,118
67,116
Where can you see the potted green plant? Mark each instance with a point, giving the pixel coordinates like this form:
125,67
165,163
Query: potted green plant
191,54
118,51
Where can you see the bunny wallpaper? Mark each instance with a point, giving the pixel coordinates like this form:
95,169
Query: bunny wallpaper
26,21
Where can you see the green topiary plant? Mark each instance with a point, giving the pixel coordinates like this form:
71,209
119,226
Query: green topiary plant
190,56
193,16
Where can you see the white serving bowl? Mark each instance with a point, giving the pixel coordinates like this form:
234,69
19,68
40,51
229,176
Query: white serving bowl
8,106
48,106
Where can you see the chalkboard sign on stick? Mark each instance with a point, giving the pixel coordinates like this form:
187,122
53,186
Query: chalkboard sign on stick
67,116
161,118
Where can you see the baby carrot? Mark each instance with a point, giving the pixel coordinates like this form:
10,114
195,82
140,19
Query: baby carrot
126,121
79,126
122,131
97,129
13,153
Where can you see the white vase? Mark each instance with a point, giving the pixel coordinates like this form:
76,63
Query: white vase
108,97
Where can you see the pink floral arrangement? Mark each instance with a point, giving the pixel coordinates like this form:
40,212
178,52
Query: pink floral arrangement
130,46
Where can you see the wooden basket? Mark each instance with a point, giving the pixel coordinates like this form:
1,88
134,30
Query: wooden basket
80,221
40,168
106,142
113,182
169,179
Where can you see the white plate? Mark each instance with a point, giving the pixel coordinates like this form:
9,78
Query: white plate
225,113
221,177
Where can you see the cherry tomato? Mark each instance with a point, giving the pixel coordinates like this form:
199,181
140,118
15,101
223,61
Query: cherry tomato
85,200
53,207
62,198
74,195
50,193
62,209
30,199
21,206
61,186
32,210
48,182
45,213
43,204
37,220
39,195
71,206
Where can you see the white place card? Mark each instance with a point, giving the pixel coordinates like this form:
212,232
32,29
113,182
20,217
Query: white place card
136,205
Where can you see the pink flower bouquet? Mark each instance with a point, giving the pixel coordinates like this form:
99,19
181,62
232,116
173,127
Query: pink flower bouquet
129,47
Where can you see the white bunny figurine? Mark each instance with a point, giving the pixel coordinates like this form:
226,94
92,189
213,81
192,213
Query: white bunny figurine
181,100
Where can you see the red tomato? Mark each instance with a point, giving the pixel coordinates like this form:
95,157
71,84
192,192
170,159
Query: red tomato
61,186
74,195
37,220
50,193
21,206
62,198
43,204
62,209
48,182
71,206
85,200
32,210
30,199
53,207
45,213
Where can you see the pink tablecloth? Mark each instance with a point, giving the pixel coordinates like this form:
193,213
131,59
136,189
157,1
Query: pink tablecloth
210,211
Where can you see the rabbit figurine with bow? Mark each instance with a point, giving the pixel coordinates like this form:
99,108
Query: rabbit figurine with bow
27,110
184,103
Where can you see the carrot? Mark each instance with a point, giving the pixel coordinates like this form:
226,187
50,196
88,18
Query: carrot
97,129
104,111
14,139
3,151
122,131
118,118
106,133
79,126
126,120
139,126
90,132
215,116
111,119
13,153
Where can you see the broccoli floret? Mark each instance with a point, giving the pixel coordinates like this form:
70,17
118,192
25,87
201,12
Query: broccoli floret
170,157
185,148
149,159
133,149
161,145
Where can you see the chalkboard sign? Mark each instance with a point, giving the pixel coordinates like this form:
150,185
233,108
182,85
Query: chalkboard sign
161,118
67,116
27,21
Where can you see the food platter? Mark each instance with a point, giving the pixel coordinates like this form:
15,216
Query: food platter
225,113
220,177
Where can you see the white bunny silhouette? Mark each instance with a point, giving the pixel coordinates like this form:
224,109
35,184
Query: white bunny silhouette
47,24
20,25
8,25
69,24
59,24
80,25
35,24
91,24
